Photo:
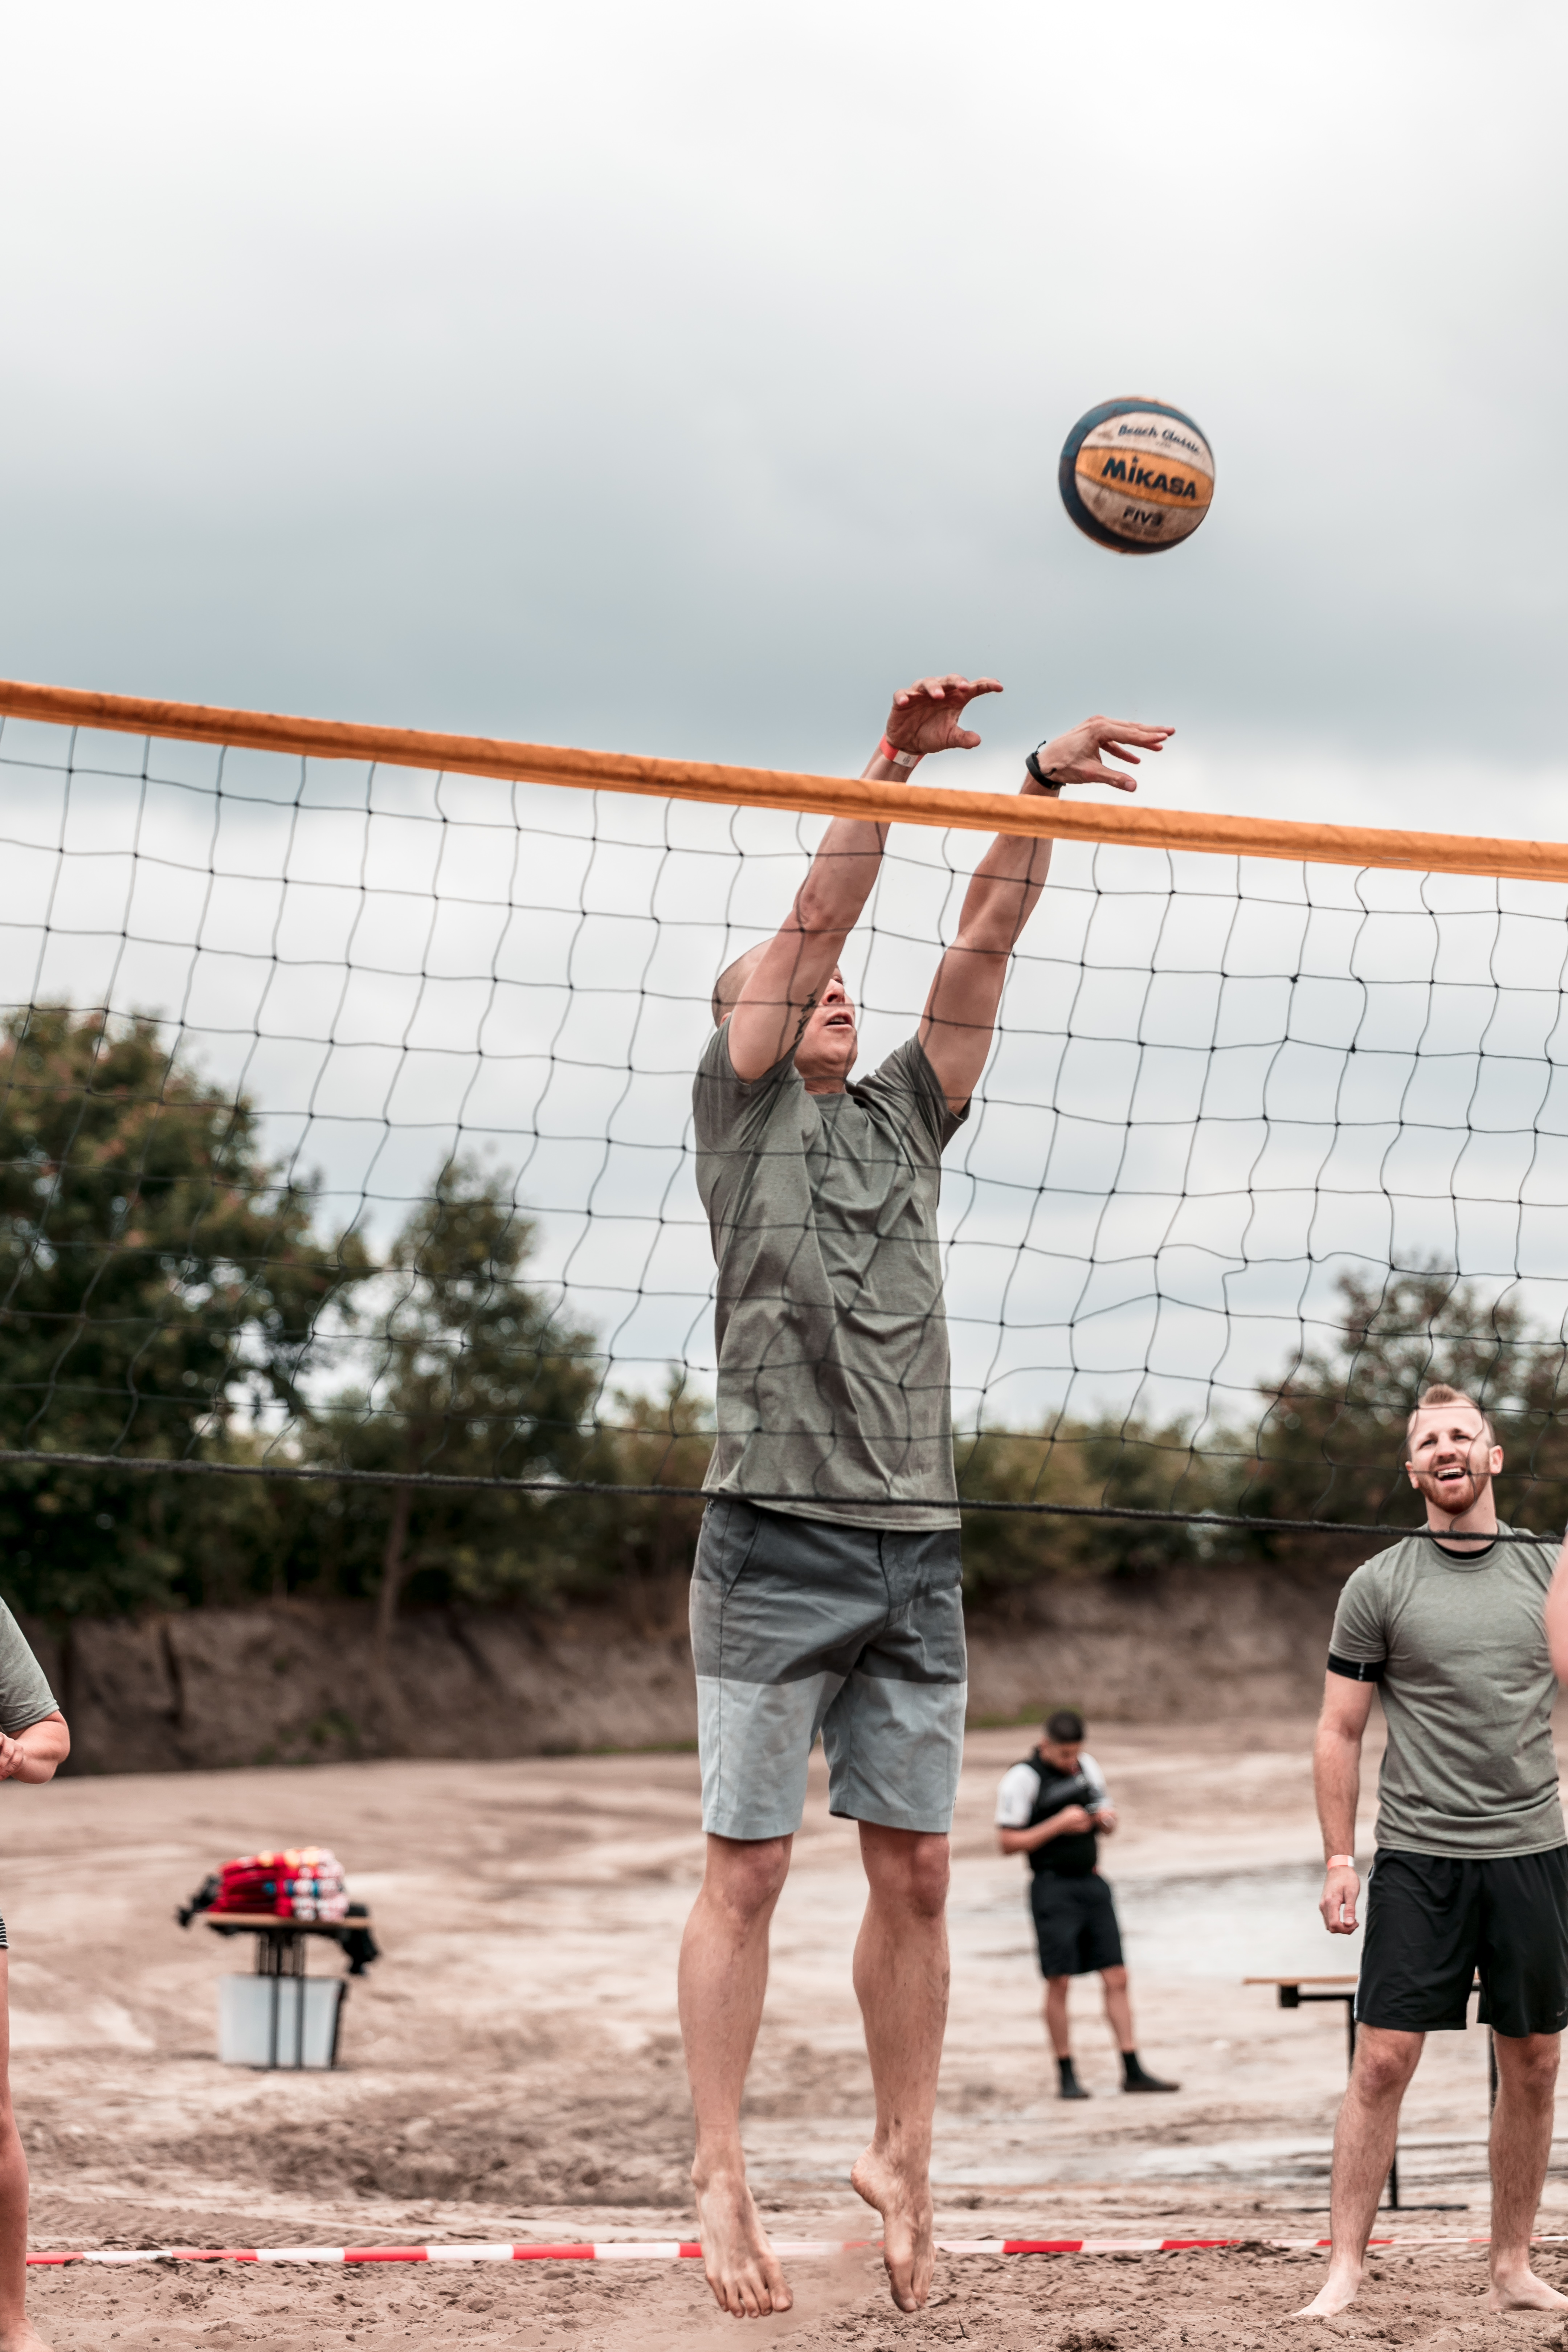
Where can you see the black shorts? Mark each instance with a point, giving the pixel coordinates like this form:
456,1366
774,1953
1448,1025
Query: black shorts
1432,1922
1075,1920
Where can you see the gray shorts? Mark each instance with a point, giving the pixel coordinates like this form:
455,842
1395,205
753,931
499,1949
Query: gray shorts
801,1625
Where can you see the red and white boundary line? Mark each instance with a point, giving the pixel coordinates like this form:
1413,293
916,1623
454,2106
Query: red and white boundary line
670,2250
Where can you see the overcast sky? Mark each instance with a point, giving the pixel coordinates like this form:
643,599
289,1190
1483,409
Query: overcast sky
680,379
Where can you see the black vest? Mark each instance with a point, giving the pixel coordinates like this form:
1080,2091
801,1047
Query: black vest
1075,1852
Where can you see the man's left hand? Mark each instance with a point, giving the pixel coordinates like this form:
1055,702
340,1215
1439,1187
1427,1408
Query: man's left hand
1105,1818
929,715
1076,758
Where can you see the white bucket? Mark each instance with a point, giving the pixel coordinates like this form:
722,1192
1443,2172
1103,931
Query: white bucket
278,2020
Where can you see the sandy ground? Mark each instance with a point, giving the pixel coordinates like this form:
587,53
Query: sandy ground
511,2071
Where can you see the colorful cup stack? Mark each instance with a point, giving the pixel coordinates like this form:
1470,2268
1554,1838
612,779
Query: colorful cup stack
303,1882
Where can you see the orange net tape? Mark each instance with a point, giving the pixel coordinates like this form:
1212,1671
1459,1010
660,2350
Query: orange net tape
853,796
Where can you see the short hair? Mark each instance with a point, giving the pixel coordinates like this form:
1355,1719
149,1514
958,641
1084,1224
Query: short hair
1440,1392
1065,1726
730,981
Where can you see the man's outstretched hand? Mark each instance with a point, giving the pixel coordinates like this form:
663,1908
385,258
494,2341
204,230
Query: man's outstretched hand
1077,757
929,715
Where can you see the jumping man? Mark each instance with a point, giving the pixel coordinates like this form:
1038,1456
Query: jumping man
831,1602
1471,1868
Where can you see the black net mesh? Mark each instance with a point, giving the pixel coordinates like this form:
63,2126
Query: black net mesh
345,1132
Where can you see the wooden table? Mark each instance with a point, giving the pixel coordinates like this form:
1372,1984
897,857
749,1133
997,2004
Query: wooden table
280,1943
1294,1994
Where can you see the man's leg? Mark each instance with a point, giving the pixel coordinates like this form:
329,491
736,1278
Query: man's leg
1119,2008
1521,2143
1056,1911
900,1982
1365,2141
1068,2085
1119,2017
723,1976
15,2335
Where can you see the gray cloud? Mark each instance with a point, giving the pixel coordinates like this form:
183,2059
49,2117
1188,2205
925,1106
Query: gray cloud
682,378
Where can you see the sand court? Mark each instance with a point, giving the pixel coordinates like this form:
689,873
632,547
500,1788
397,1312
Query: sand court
511,2071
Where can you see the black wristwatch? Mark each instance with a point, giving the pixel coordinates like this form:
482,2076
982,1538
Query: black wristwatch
1044,781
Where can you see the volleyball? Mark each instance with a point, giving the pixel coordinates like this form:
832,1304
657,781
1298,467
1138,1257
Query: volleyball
1136,475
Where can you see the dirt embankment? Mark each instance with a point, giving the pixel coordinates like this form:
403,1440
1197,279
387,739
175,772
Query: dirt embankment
302,1683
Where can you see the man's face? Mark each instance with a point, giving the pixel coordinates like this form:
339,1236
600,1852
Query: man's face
1063,1753
825,1054
1449,1457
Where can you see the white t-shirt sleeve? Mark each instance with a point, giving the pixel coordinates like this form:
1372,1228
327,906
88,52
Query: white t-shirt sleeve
1016,1797
1096,1778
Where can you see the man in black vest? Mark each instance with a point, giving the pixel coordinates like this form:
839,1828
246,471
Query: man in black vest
1054,1807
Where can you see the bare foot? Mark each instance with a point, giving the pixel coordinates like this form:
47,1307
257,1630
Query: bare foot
1520,2290
903,2199
1337,2291
742,2266
25,2339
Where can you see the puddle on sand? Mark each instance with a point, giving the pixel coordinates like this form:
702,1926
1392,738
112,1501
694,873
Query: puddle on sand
1222,1924
1006,2154
1247,1923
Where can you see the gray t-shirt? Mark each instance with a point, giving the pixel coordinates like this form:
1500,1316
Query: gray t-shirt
25,1696
1467,1689
833,1366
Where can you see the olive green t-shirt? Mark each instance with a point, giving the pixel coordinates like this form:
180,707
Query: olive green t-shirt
833,1390
1467,1687
25,1696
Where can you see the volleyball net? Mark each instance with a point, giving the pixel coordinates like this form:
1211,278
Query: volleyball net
345,1124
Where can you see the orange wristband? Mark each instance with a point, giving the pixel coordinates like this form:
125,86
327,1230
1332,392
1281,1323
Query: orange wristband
885,751
1337,1861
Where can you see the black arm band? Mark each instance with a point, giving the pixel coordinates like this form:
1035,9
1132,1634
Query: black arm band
1357,1670
1044,781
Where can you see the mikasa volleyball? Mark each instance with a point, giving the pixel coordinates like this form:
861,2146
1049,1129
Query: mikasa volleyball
1136,475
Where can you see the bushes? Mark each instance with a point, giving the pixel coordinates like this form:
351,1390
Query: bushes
165,1291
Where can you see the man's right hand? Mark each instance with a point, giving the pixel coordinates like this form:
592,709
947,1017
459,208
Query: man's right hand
1341,1885
1071,1821
929,716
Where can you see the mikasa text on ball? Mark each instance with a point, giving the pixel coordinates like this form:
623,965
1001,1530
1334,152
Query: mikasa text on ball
1136,475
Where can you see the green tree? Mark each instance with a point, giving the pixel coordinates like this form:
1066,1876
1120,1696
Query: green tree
629,1539
1331,1441
472,1372
1086,1464
161,1282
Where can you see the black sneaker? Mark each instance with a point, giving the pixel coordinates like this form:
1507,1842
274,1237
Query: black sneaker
1142,2081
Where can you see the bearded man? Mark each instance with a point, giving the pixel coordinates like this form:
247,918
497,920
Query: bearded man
1471,1873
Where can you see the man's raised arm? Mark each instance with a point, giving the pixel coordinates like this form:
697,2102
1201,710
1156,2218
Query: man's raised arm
782,981
961,1011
